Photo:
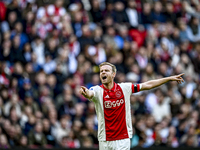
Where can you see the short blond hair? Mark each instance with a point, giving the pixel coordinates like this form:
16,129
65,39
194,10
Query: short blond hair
107,63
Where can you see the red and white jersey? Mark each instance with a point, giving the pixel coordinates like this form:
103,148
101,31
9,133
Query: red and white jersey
114,111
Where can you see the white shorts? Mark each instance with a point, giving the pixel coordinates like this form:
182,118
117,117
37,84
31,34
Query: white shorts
123,144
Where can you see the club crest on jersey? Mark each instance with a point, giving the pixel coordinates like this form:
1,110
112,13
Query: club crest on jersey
109,104
118,94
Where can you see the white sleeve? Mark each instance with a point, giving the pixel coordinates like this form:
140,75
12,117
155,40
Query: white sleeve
94,90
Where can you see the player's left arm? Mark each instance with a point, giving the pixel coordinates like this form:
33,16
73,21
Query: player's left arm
155,83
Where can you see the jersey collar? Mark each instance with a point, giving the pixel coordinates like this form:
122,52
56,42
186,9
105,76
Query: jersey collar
113,88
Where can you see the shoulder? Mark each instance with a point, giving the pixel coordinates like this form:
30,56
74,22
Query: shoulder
126,87
125,84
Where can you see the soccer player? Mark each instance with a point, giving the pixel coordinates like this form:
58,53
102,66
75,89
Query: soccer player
112,104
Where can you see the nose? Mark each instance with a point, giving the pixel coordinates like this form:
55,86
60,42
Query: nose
104,72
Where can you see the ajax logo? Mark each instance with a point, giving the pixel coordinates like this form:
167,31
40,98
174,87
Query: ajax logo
109,104
118,94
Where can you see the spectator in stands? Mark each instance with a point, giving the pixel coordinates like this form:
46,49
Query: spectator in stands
36,137
120,15
63,129
146,15
4,142
132,13
12,103
96,12
23,142
162,104
48,133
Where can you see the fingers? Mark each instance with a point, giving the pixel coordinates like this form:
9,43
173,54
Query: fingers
83,90
180,80
181,74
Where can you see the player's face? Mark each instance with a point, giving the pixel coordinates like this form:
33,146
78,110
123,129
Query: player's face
106,74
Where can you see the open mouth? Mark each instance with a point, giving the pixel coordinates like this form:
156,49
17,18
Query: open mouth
104,77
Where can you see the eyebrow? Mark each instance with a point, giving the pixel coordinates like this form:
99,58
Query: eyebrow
104,69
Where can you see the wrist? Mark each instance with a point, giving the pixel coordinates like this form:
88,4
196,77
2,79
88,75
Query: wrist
169,78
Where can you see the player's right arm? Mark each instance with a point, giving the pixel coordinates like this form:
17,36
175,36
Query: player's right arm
86,93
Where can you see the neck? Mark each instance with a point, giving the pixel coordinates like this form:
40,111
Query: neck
109,85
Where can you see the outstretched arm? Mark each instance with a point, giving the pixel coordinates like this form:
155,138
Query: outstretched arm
86,93
155,83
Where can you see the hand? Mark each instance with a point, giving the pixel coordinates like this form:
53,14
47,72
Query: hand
177,78
84,91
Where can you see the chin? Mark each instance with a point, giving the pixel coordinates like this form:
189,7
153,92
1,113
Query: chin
104,82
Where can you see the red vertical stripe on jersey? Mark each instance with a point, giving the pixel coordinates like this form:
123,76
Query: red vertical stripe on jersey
138,87
114,113
133,91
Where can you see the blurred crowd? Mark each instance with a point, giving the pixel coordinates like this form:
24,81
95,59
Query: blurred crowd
49,48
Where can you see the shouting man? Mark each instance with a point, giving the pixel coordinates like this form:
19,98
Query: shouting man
112,104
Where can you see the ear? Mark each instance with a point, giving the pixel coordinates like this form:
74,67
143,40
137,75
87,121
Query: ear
113,75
